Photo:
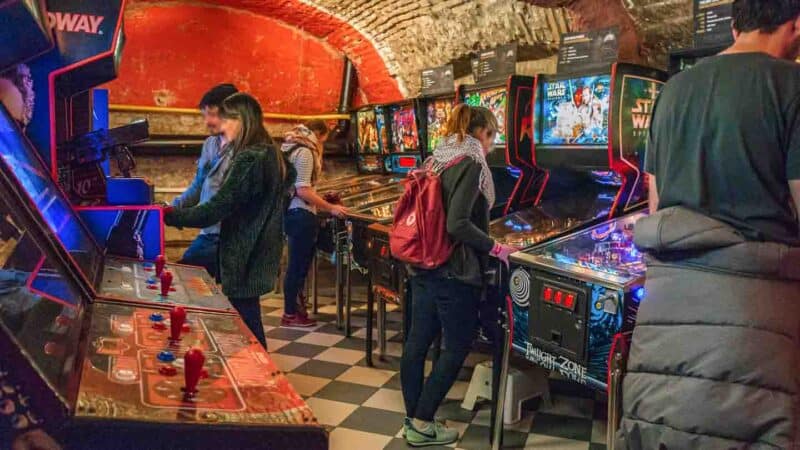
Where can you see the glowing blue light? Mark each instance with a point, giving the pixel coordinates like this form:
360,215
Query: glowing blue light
639,294
509,223
514,172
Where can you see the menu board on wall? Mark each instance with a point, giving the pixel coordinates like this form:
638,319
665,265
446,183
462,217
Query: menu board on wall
438,80
495,64
712,23
587,50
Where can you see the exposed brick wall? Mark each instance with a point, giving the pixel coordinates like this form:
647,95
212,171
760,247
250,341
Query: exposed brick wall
413,35
376,85
174,53
648,28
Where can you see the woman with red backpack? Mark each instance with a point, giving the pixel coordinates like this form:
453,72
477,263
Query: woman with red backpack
446,298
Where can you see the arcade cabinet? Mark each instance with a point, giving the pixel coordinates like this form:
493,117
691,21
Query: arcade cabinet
97,374
106,276
682,59
397,126
113,225
101,375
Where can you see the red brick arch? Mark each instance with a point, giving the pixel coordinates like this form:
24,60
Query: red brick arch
318,28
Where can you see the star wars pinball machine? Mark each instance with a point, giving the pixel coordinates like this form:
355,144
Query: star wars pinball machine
568,298
99,374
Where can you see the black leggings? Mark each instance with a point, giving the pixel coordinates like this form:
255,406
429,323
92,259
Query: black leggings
438,304
250,310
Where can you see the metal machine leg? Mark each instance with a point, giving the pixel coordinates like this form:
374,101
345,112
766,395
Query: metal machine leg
614,398
339,285
500,374
382,327
348,295
314,287
370,321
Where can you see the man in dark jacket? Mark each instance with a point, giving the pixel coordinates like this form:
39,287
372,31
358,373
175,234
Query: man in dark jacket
716,350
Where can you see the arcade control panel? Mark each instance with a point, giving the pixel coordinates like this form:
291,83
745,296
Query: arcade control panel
129,279
170,366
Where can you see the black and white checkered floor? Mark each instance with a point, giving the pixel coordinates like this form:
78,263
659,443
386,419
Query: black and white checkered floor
363,407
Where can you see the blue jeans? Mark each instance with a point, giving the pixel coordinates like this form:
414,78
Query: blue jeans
250,311
301,230
438,304
203,252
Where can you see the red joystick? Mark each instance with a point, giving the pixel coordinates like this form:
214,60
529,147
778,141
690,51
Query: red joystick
177,317
166,282
160,263
192,370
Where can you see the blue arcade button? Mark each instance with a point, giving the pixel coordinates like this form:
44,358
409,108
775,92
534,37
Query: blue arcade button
166,356
151,280
156,317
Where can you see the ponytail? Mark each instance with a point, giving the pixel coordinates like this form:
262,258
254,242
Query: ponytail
467,119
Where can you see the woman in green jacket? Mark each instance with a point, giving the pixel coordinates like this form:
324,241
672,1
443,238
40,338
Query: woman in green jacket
249,207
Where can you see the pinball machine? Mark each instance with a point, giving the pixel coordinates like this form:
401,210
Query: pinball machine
399,125
495,96
543,298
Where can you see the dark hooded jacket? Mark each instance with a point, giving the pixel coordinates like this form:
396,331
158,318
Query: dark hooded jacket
715,357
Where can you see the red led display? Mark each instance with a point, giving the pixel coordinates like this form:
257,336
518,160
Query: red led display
407,162
560,298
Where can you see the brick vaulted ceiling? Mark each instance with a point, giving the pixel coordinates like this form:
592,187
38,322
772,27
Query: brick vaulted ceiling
390,41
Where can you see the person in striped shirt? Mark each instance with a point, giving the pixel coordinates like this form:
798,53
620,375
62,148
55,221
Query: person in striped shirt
303,149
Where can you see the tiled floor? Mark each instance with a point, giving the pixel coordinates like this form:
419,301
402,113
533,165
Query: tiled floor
363,407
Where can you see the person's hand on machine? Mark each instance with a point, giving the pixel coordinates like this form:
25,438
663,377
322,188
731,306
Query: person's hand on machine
35,440
502,252
338,211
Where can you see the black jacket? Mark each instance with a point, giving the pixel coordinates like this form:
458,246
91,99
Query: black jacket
467,223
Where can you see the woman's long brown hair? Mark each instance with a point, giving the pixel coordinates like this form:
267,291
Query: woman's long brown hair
245,107
466,119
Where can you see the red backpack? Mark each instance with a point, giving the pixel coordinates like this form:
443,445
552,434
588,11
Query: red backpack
419,231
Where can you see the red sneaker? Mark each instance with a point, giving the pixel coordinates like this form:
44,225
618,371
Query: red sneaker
298,321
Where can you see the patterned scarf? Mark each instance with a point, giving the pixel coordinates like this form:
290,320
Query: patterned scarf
300,135
450,149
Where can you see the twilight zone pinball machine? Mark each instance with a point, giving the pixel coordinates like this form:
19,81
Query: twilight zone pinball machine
568,297
571,296
98,374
